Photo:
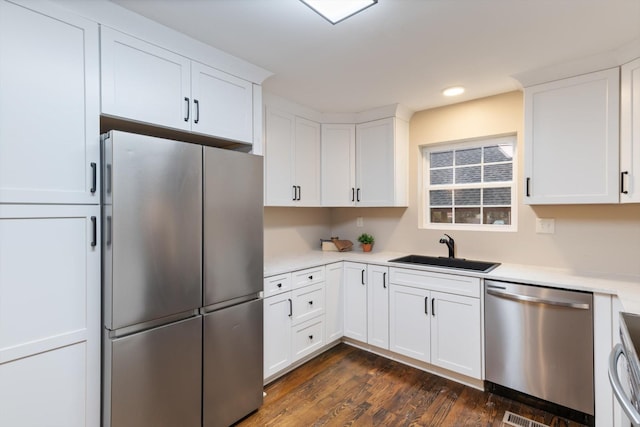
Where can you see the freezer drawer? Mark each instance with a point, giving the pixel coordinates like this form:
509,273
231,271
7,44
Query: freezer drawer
153,378
232,381
233,232
153,228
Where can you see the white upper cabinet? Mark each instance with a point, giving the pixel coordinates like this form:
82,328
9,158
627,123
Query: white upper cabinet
338,164
365,164
143,82
49,106
292,160
146,83
630,132
222,103
572,140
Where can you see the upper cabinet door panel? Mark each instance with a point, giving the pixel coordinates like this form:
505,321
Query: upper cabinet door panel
571,135
375,163
143,82
630,132
279,158
223,104
338,164
49,92
307,162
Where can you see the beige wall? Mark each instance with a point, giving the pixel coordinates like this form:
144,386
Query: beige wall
289,231
588,238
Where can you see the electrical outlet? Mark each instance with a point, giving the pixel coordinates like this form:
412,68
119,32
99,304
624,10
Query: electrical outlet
359,222
545,225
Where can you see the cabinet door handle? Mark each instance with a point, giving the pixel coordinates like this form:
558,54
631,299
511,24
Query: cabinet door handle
362,277
433,307
108,231
94,182
358,195
384,280
528,187
295,193
196,106
353,194
186,118
622,189
94,237
290,308
299,193
426,305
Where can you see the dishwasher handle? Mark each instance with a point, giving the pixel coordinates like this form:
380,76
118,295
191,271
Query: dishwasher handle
625,403
527,298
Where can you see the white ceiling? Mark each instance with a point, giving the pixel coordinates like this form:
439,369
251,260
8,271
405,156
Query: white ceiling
400,51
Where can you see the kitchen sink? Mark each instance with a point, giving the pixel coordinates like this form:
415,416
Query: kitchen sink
459,263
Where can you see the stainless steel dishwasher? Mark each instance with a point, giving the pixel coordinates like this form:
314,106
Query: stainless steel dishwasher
539,341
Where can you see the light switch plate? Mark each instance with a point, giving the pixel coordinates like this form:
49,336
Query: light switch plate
359,222
545,225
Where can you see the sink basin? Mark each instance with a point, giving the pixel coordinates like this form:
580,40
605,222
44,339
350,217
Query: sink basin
459,263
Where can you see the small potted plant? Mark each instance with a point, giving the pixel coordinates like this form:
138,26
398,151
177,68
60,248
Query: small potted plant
366,241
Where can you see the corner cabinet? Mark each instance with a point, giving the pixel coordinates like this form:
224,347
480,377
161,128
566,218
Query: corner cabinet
146,83
630,132
572,140
49,106
365,164
292,160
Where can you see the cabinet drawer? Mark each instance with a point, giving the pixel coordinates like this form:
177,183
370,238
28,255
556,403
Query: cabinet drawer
307,277
450,283
307,338
308,302
275,285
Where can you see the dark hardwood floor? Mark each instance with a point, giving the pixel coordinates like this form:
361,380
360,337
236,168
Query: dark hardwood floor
346,386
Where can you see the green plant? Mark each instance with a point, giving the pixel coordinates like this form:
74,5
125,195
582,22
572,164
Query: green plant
366,239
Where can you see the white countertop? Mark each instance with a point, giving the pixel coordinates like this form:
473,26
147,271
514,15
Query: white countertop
627,288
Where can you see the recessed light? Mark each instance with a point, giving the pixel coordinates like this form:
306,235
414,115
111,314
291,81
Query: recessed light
453,91
335,11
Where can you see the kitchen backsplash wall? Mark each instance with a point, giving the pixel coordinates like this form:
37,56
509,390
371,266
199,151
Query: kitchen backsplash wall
588,238
290,231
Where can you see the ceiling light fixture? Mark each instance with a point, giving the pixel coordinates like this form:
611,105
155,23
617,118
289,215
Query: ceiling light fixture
453,91
336,11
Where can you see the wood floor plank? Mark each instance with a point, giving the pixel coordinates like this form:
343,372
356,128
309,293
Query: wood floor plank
346,386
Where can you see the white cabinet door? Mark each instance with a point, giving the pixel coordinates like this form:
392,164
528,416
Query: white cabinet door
375,169
409,322
456,334
277,333
571,140
338,164
630,132
143,82
307,162
49,315
222,104
378,306
355,301
49,106
279,158
334,301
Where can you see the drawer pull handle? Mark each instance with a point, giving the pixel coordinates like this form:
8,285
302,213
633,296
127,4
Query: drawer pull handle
310,302
279,285
310,277
311,337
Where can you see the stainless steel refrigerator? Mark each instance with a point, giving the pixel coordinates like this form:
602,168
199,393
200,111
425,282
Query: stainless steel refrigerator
182,272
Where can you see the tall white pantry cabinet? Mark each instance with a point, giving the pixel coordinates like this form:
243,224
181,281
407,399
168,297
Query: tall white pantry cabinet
49,217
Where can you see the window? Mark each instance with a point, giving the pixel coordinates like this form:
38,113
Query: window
469,184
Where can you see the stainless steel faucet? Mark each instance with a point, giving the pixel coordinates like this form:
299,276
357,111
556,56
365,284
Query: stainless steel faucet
450,245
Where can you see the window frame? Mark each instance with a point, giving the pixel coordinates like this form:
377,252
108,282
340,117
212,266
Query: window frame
424,185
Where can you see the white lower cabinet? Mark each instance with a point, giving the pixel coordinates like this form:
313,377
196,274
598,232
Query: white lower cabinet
355,301
378,306
277,333
409,322
436,327
293,317
49,315
334,301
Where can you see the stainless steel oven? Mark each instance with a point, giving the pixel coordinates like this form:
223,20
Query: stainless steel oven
624,373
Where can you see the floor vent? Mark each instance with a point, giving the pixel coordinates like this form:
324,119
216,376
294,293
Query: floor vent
511,419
